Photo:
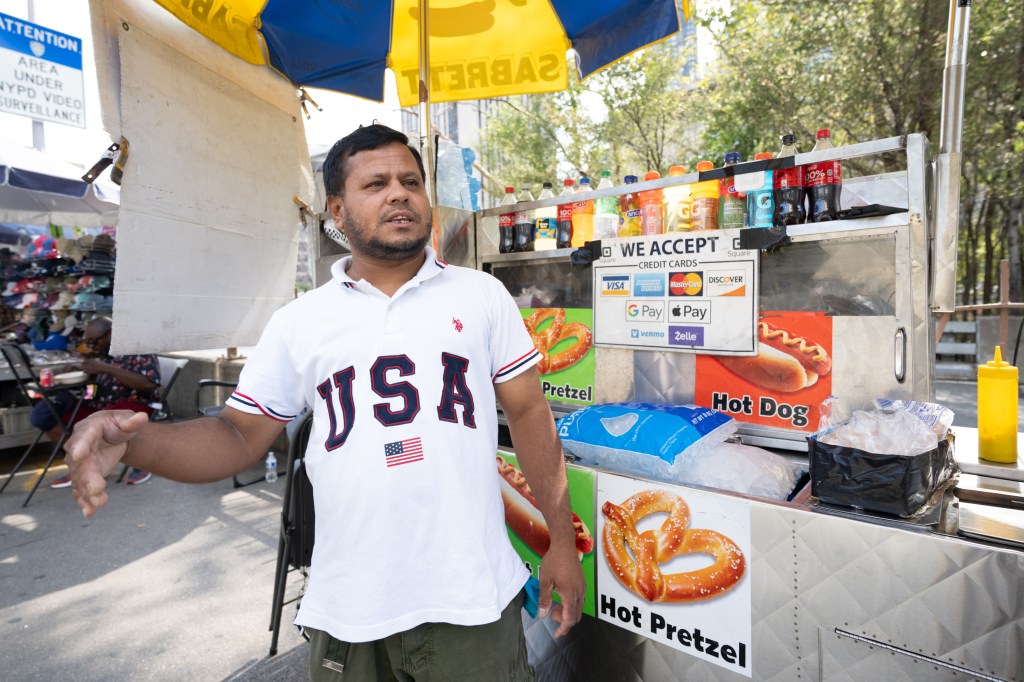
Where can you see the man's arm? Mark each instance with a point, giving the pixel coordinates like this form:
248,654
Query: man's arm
133,380
196,451
539,452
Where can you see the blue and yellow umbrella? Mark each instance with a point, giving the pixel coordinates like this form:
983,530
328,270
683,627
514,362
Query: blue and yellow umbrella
476,49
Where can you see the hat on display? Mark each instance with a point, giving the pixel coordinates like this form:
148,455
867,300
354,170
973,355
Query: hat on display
9,289
87,302
27,301
42,246
96,283
64,301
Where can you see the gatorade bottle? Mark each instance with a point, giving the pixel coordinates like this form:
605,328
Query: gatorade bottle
788,188
651,206
732,205
606,211
629,211
824,181
582,217
524,222
507,222
759,202
546,222
563,233
704,207
677,204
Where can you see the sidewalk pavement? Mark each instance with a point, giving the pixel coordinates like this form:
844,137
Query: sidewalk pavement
167,582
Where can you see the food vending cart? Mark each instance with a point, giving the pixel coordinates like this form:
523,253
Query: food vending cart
825,591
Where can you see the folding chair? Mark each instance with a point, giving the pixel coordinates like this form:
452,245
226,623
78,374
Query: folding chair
169,369
214,410
28,383
298,522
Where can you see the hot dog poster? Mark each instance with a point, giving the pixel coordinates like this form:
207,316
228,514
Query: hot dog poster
783,385
674,566
694,292
564,337
526,526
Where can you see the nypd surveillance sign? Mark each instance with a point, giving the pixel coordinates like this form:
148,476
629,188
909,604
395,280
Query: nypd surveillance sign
692,291
40,73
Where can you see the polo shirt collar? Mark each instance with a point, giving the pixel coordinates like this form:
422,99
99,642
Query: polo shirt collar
432,266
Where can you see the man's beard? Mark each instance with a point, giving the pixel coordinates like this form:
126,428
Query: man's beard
374,248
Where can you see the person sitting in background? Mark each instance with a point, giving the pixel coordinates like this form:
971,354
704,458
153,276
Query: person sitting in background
123,382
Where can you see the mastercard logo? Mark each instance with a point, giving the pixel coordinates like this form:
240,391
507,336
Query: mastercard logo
685,284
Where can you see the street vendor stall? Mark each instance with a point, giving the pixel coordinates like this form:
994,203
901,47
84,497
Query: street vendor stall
833,588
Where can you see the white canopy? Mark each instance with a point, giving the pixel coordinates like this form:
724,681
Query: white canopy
38,189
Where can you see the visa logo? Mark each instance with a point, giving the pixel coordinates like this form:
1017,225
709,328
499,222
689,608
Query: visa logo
615,285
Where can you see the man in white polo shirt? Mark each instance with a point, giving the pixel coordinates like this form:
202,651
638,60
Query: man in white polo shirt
401,358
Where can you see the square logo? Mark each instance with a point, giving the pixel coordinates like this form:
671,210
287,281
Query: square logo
649,284
685,336
639,310
615,285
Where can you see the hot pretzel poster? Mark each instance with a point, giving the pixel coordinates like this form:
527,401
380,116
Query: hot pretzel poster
565,340
784,384
528,530
674,566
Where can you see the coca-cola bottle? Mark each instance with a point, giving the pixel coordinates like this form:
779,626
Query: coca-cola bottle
788,188
524,222
563,229
824,182
507,223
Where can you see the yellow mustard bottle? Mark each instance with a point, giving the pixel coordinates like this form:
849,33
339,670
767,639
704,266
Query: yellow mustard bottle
997,410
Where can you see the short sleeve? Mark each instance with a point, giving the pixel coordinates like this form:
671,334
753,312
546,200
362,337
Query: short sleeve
270,383
512,351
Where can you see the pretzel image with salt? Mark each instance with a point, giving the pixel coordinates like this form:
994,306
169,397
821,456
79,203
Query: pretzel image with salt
557,331
652,548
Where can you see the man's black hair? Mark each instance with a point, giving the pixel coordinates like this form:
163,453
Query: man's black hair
363,138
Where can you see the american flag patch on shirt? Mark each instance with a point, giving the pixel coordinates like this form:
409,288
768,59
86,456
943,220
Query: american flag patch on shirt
403,451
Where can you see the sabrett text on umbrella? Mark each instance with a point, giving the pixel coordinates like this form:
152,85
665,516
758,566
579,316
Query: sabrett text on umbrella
482,73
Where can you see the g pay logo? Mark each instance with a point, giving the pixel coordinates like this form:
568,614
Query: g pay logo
726,283
615,285
645,311
686,283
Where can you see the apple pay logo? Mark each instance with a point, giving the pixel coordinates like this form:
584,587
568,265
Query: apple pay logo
690,311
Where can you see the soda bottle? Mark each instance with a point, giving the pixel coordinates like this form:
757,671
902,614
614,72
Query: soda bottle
651,206
788,188
629,211
506,223
732,205
563,233
524,222
704,207
606,211
759,201
582,216
824,181
547,221
677,204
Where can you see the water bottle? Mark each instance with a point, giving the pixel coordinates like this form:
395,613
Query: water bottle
271,475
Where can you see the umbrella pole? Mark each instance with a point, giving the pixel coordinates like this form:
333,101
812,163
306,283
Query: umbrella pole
426,132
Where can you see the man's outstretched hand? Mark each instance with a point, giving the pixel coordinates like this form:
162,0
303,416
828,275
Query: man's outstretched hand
96,446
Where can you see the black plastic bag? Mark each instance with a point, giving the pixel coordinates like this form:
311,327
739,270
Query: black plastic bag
891,484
